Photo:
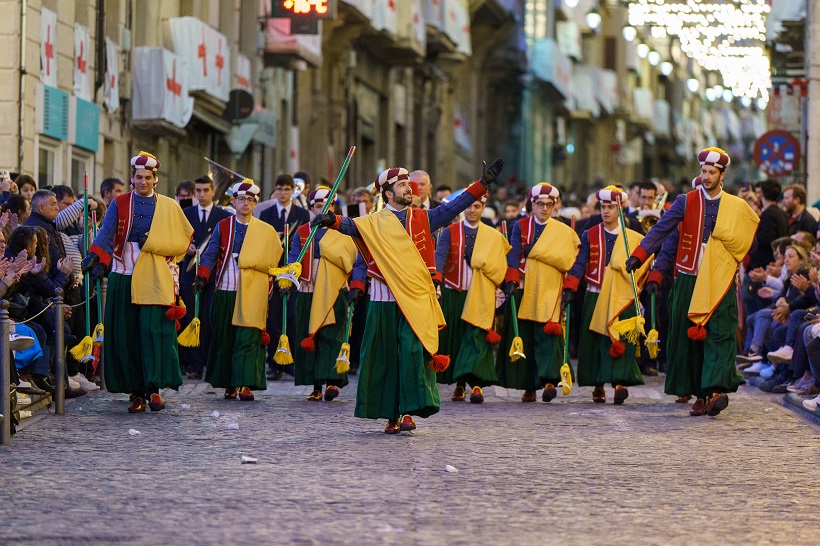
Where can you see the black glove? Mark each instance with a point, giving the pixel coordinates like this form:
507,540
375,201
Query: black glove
566,296
323,220
89,262
489,174
199,283
650,288
98,272
510,287
527,249
632,263
354,294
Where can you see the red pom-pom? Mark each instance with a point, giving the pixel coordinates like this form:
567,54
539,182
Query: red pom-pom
552,328
617,349
439,363
697,332
175,312
308,344
492,337
265,338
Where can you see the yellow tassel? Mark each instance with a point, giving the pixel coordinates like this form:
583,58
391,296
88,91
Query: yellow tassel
343,360
189,337
286,276
517,349
566,379
638,350
653,344
98,333
83,349
282,355
631,329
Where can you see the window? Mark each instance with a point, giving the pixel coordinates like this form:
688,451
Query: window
49,161
80,164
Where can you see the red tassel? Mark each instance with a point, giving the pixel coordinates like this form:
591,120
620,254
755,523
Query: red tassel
492,337
617,349
308,344
552,328
175,312
265,338
178,325
697,332
439,363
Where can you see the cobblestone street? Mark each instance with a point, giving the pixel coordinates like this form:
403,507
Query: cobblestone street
569,472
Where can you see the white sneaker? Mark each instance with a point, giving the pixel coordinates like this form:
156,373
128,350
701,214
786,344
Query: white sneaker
811,403
782,355
20,343
85,383
23,399
754,368
73,383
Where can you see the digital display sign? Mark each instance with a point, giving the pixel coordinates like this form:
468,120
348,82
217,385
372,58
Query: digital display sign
320,9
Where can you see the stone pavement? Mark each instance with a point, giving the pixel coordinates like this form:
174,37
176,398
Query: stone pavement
569,472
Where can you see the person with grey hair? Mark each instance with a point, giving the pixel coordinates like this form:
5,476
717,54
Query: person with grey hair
423,180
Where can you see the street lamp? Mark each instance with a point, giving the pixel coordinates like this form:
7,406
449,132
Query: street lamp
630,33
692,84
643,50
653,57
593,19
666,68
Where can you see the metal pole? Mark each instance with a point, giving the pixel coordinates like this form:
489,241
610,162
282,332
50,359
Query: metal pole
59,347
5,375
101,364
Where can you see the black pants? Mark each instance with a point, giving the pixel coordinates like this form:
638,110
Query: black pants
193,359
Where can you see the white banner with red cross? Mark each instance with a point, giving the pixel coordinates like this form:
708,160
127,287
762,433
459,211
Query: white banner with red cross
111,88
48,47
81,56
160,87
243,74
206,54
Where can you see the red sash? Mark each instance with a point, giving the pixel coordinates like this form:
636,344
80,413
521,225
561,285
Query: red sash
527,231
596,264
453,271
691,234
307,259
125,216
418,227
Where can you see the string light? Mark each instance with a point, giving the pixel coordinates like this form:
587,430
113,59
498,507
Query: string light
653,57
724,37
666,68
630,33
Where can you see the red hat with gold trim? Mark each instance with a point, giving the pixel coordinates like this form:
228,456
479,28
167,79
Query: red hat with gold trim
543,191
714,157
144,160
319,195
388,177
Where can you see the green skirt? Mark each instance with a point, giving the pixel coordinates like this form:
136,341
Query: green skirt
319,366
394,379
236,357
595,366
701,368
471,357
544,354
140,346
449,338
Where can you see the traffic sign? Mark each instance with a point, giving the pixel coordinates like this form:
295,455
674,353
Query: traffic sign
777,153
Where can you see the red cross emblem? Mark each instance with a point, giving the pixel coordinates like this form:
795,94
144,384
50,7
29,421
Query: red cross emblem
220,62
171,83
81,61
201,52
49,50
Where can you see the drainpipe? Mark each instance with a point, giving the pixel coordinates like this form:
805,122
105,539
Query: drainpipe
21,94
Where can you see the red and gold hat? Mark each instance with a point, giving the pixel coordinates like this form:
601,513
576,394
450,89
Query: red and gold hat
319,195
543,191
390,176
144,160
610,195
246,187
714,157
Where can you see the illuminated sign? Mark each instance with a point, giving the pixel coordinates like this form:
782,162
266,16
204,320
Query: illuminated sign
321,9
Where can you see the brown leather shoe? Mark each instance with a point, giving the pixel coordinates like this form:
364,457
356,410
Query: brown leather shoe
392,427
230,393
245,394
549,392
683,399
407,424
529,396
716,403
477,396
621,394
599,395
459,394
156,403
315,396
812,390
698,408
137,405
331,392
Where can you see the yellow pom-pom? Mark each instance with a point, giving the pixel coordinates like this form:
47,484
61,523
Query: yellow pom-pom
283,356
653,345
517,349
343,360
566,379
189,337
83,349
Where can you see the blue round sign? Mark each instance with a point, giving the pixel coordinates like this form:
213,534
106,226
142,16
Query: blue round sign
777,153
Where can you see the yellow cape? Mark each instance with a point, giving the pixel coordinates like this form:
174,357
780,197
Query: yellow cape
337,255
405,272
489,264
260,252
552,255
152,282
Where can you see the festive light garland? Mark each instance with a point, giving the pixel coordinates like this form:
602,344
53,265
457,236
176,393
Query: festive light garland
725,37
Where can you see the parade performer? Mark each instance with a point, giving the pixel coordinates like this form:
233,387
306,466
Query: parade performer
705,234
242,251
399,350
543,251
321,303
471,257
142,238
602,356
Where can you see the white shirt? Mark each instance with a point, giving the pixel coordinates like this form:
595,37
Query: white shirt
208,209
279,209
